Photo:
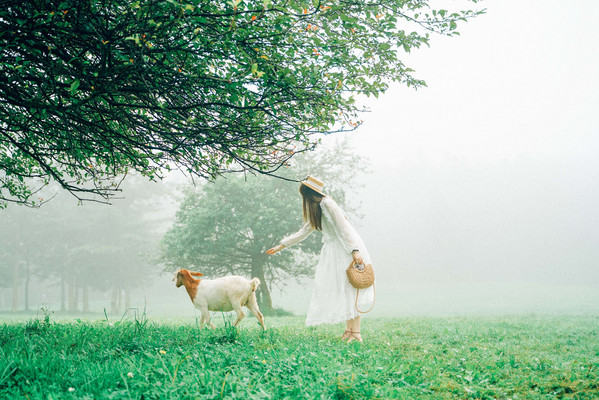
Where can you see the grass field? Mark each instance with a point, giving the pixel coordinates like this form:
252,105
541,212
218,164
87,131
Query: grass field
524,357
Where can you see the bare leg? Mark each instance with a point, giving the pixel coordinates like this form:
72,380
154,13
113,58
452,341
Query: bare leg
354,325
348,329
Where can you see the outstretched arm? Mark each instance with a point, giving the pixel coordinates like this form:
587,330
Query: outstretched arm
290,240
273,250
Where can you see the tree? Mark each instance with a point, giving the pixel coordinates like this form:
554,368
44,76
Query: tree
22,247
90,90
80,249
109,249
226,227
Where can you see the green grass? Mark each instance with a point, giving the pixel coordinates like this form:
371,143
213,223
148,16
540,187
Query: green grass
426,358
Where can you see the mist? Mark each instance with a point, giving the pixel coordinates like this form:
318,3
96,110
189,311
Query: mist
481,196
491,172
447,238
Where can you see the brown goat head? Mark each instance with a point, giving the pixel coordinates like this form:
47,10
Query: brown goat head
182,273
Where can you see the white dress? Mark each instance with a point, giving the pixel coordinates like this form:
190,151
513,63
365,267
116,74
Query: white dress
333,297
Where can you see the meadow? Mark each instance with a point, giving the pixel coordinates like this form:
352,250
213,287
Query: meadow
474,357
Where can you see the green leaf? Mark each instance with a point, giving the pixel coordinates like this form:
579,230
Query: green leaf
75,86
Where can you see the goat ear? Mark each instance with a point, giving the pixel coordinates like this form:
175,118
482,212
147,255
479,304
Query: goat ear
196,273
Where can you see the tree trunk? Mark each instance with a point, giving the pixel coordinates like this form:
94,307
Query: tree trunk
27,279
119,300
62,294
262,294
113,300
127,299
86,298
15,288
72,295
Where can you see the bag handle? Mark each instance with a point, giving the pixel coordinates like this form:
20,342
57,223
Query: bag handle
373,300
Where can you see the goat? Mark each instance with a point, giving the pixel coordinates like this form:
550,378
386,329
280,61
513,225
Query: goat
223,294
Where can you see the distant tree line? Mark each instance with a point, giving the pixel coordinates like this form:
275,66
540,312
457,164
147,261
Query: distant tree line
80,249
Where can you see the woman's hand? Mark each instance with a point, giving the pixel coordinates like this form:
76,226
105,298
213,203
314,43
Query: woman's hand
357,257
275,249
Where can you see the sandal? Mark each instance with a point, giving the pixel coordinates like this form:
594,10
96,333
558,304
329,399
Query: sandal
354,336
346,335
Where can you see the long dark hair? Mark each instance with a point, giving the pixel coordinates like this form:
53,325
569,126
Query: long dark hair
311,206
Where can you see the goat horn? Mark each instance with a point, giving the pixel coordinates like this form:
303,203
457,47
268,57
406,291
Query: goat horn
176,275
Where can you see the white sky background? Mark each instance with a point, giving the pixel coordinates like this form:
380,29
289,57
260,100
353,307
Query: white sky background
523,78
491,172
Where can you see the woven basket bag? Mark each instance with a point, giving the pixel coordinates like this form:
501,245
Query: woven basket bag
360,279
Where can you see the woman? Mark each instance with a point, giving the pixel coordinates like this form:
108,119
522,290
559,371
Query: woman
333,297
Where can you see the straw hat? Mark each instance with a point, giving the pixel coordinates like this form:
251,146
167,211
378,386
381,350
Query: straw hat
314,184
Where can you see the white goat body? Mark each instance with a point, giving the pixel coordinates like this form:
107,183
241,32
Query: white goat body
223,293
228,293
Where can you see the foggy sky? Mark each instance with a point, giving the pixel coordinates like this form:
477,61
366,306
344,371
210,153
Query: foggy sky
491,171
